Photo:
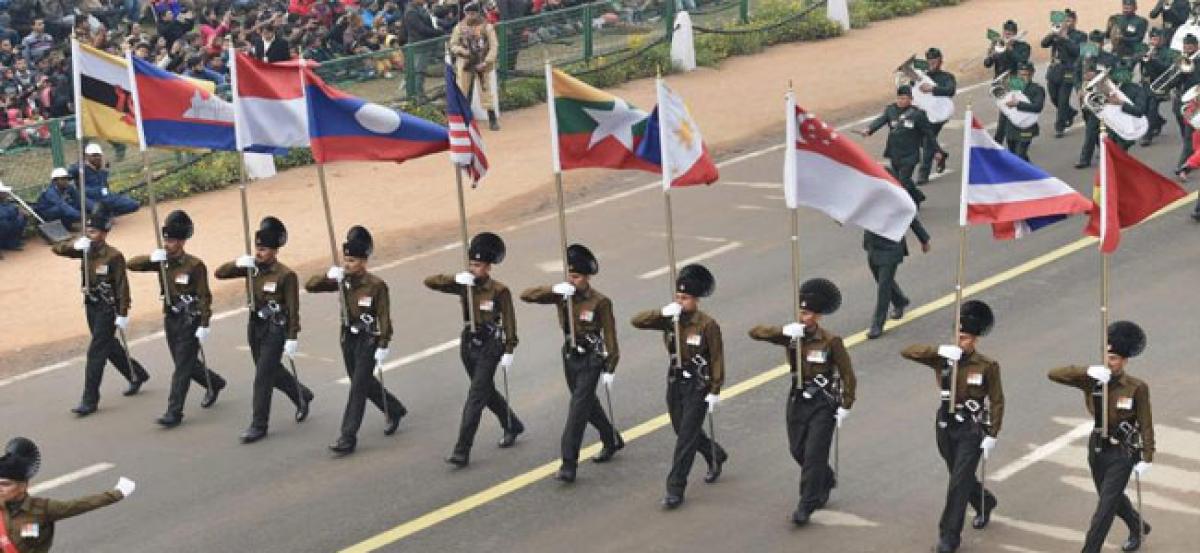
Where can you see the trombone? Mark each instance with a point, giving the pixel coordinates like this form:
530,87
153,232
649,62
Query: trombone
1185,65
1000,86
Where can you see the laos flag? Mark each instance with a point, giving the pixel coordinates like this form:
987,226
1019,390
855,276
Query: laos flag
178,112
342,127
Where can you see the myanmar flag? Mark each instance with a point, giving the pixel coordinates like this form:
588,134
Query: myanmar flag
593,128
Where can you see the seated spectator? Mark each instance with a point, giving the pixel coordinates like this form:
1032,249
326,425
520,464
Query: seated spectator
217,65
38,42
60,200
12,221
197,70
7,55
95,178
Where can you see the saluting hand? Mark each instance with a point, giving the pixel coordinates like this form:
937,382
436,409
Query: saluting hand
159,255
465,278
82,244
244,262
125,486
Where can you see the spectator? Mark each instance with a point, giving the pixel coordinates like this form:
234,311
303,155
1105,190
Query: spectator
7,56
172,27
60,200
197,70
38,42
12,221
95,178
418,27
270,48
213,31
217,65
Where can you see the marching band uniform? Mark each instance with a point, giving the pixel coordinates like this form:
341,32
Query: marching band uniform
1060,78
1015,52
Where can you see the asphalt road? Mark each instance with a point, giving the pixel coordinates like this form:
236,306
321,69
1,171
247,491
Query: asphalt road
200,490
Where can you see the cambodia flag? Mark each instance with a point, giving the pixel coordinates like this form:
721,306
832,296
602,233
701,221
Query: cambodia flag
177,112
342,127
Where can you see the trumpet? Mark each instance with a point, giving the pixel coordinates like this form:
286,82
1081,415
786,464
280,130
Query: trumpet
1000,85
1002,44
1185,65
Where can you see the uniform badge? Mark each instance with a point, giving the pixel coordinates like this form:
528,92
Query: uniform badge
269,287
1125,403
693,340
486,305
908,123
183,279
31,530
975,379
587,315
1131,29
816,356
365,301
102,270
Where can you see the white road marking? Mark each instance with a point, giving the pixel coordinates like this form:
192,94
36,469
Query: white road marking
748,207
694,259
69,477
774,197
1149,498
938,176
1044,451
552,266
1194,419
1017,549
761,185
1047,530
826,517
413,357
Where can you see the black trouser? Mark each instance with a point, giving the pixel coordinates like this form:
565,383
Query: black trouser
904,173
887,291
810,426
1185,130
1091,138
266,348
958,443
358,353
1001,129
687,409
1156,119
1060,92
1111,467
105,348
1019,146
582,372
930,147
185,352
480,354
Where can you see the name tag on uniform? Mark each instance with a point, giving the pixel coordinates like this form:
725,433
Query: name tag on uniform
816,356
31,530
102,269
365,301
1125,403
586,315
486,305
693,340
104,191
183,278
269,287
975,379
1131,29
908,124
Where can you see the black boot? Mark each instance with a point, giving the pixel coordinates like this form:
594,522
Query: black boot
672,500
983,517
393,423
875,331
946,545
302,407
459,459
83,410
922,177
714,469
606,454
493,123
210,396
169,420
566,473
343,446
510,436
801,515
1135,539
253,434
135,385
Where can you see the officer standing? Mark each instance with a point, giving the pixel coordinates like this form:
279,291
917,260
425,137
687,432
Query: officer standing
106,303
908,130
365,335
1060,78
944,86
884,257
1004,57
972,428
95,178
1128,445
489,344
60,200
694,379
186,314
1154,63
1127,29
593,359
27,522
273,326
821,394
1173,15
1018,139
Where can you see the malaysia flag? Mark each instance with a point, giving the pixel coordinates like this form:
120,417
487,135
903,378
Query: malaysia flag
268,104
466,144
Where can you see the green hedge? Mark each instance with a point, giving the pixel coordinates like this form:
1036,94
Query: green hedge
863,12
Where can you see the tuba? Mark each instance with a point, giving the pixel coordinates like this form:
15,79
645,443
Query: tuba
1003,91
1096,93
937,108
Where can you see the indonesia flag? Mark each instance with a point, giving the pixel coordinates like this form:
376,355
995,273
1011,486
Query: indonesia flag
270,114
1013,195
828,172
466,144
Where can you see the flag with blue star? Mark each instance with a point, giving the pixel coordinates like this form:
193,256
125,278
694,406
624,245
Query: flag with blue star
592,128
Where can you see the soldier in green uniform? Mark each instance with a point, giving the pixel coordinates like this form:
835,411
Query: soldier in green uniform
273,326
1100,51
821,394
187,309
908,130
1127,30
592,360
1179,86
694,379
1154,63
946,86
972,428
1173,15
27,522
1018,139
1128,444
489,344
1091,123
106,303
1004,57
1122,76
365,335
1060,78
884,257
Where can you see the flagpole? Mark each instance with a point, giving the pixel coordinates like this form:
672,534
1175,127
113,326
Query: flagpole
1103,275
242,180
83,213
558,188
141,132
466,243
795,210
962,254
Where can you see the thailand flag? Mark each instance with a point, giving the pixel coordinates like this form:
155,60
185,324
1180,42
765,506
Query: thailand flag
177,112
268,104
466,144
342,127
1013,195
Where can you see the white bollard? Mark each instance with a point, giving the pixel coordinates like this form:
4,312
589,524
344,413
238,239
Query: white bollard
838,11
683,51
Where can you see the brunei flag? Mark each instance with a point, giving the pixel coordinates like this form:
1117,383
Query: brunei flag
592,128
104,103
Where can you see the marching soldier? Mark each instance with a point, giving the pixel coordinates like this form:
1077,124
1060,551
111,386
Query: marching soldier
822,390
1156,61
187,310
1127,29
1104,57
1188,78
971,430
593,359
489,344
1091,128
693,380
1122,76
1174,15
884,257
945,86
908,130
1064,46
1128,445
106,303
1004,57
273,326
27,522
365,335
1018,139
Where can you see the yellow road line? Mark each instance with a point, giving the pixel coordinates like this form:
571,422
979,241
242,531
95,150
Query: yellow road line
521,481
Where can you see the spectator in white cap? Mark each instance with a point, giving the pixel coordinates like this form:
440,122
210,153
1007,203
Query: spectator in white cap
95,178
60,200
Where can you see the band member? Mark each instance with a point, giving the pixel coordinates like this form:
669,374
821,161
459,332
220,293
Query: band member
1187,78
945,86
1091,127
474,45
1154,63
1064,43
972,428
491,343
1101,50
592,359
1127,29
1135,100
365,335
908,130
106,303
1018,140
694,379
1003,56
1128,443
27,522
1174,13
187,309
884,257
273,328
821,394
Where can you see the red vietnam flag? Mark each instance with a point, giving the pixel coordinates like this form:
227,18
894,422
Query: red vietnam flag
1134,192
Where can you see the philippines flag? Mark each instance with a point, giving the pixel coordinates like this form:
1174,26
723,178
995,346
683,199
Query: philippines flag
466,144
673,143
177,112
1013,195
268,104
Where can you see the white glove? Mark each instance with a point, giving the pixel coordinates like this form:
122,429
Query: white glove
290,347
672,310
1099,374
335,273
607,378
202,333
564,289
712,400
81,244
125,486
1142,468
104,191
244,261
793,330
158,255
953,353
122,322
506,361
987,445
381,354
841,415
465,278
4,188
